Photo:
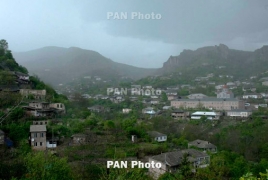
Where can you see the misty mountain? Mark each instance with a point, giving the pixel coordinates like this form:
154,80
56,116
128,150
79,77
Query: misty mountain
218,59
57,65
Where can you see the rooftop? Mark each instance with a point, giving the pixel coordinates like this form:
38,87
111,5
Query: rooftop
207,99
201,144
239,110
175,158
204,113
155,134
38,128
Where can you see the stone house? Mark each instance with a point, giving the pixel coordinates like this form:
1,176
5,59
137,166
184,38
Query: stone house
36,94
38,137
79,138
203,145
178,113
157,136
171,161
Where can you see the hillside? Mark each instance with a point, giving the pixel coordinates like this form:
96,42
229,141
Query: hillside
218,60
61,65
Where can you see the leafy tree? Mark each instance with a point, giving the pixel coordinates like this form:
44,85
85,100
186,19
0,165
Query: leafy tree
185,168
45,166
3,45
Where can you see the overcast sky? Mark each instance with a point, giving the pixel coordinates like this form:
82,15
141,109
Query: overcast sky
184,24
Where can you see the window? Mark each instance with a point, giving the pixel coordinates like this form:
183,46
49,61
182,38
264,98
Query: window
42,134
41,143
35,134
35,144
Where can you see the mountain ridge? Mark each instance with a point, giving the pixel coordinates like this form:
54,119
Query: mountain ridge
56,65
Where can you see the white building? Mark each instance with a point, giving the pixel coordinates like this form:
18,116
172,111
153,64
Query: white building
126,110
197,96
239,113
208,115
225,93
157,136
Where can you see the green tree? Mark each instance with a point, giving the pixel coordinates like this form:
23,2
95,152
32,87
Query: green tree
185,168
45,166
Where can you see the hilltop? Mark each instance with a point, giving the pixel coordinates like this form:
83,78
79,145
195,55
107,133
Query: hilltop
62,65
218,60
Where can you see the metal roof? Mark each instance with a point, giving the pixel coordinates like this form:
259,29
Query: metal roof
204,113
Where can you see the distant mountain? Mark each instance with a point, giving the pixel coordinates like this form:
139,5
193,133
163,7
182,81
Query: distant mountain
57,65
210,60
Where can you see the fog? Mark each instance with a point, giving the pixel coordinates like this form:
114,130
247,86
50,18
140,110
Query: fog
98,25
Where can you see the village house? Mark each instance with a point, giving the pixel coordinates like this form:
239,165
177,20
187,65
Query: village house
225,93
171,94
171,161
38,137
79,138
97,108
202,145
22,77
39,109
10,88
173,88
157,136
149,110
36,94
248,87
44,109
218,87
252,95
238,113
265,83
41,122
117,99
166,107
155,101
178,114
2,137
197,96
52,142
126,110
208,115
209,103
58,107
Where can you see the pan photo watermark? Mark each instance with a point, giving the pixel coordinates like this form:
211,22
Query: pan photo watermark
133,164
133,16
134,91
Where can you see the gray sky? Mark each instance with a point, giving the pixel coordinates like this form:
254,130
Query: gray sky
184,24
